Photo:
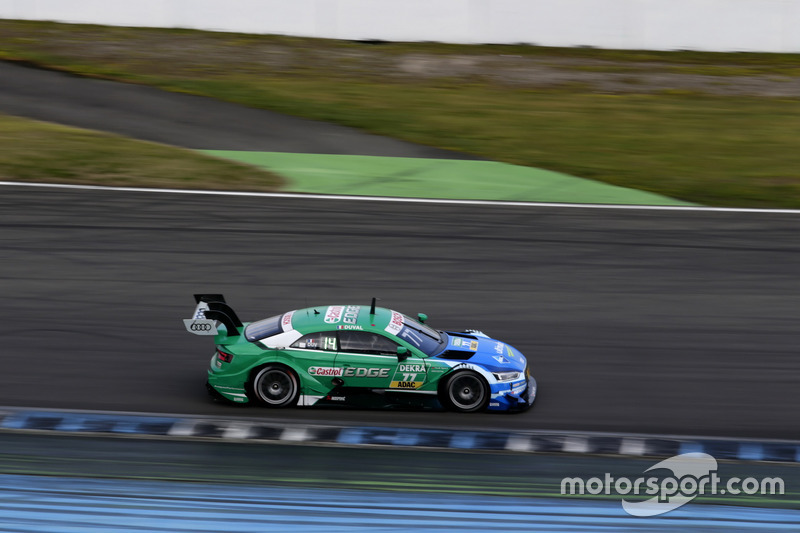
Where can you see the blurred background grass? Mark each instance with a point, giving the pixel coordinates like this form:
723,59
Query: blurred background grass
680,124
41,152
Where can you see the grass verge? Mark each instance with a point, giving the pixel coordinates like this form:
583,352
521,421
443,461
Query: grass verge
710,149
41,152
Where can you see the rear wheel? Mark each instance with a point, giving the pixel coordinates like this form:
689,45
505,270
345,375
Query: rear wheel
275,386
466,392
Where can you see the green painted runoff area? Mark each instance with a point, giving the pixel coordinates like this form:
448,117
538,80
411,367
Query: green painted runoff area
437,178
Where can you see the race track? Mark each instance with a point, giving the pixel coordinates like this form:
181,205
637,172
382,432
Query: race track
635,321
649,321
183,120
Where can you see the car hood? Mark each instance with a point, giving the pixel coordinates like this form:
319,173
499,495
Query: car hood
494,355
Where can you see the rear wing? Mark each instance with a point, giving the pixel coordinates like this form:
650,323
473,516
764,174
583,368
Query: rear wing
210,310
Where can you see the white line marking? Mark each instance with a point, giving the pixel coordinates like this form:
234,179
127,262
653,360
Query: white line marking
519,443
237,430
295,434
576,444
632,447
440,201
184,428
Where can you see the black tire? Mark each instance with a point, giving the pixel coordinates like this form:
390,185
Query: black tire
275,386
466,392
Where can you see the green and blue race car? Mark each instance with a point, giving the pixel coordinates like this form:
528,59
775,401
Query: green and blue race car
364,356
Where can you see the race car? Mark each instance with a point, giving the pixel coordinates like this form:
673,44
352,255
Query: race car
363,356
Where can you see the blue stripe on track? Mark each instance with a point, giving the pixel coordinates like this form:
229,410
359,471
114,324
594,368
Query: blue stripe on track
54,504
93,422
751,452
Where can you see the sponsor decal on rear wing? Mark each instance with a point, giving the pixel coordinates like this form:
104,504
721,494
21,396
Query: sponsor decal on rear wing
199,324
212,309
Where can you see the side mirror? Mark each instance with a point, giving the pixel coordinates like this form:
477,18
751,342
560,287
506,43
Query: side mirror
402,353
422,317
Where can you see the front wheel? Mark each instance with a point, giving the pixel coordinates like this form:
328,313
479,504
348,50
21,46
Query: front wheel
275,386
466,392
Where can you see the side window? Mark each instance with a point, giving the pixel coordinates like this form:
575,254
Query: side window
366,342
324,340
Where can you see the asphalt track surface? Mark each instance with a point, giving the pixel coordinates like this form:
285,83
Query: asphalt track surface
183,120
676,322
649,321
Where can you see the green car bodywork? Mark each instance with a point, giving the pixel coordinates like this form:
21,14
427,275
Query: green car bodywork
354,355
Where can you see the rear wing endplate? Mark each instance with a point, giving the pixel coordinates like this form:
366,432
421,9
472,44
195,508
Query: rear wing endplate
210,309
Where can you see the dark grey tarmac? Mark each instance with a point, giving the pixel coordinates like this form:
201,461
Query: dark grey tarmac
634,321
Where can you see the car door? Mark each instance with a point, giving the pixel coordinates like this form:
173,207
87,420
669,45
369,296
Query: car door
369,360
315,353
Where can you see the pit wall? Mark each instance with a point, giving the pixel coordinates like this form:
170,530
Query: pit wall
708,25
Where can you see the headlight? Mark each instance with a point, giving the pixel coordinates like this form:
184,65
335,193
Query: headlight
506,376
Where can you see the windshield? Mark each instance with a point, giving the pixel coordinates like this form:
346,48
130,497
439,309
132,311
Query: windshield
263,328
421,336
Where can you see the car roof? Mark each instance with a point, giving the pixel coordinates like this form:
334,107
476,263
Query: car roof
356,317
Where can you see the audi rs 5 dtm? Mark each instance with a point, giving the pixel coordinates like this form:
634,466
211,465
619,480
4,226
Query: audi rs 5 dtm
355,355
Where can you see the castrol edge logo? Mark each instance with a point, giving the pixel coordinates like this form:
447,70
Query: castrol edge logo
339,313
353,372
334,314
325,371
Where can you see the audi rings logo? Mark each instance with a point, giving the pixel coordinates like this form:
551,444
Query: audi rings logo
200,326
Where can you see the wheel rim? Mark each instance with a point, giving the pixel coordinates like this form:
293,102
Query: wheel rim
276,387
467,392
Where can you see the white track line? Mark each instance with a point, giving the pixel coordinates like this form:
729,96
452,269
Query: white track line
403,200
